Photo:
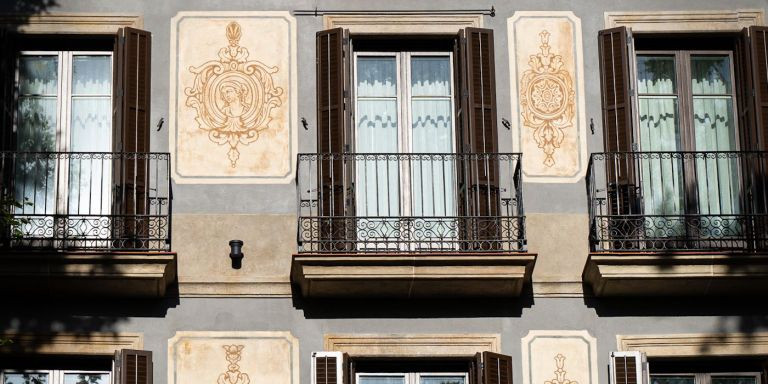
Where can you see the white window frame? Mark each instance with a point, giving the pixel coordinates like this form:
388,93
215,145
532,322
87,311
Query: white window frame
64,99
55,376
706,378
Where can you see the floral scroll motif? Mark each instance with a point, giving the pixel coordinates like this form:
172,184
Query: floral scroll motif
547,99
560,372
233,97
233,374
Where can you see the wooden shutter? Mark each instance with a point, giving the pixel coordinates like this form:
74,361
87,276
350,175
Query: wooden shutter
478,138
133,367
328,368
494,368
628,368
758,37
7,88
333,131
616,96
131,121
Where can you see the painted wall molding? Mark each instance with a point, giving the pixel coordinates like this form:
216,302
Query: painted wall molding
403,23
412,344
697,344
67,343
675,21
77,23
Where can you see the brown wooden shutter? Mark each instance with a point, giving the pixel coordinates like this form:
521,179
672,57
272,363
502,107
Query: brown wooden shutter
745,99
628,368
329,368
616,88
333,131
131,122
495,369
134,367
7,88
478,139
758,37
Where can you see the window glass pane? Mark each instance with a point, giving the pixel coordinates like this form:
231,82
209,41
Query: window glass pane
734,380
26,378
38,75
36,124
91,124
441,380
656,74
430,76
86,378
710,74
91,75
365,379
376,77
672,379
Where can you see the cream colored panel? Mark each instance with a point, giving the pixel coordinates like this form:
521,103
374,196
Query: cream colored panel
233,97
547,93
202,244
559,357
233,358
561,242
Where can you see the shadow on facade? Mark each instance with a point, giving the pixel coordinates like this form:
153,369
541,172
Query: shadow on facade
412,308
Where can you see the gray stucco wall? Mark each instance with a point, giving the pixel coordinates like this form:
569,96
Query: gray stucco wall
159,320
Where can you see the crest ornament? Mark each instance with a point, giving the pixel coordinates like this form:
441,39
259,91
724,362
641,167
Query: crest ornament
547,99
233,97
233,374
560,372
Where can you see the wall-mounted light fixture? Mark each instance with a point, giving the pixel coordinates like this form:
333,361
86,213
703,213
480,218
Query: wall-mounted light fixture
236,253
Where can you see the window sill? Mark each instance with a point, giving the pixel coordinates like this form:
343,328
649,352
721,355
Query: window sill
412,275
104,274
677,273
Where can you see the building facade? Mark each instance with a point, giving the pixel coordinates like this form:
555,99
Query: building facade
404,193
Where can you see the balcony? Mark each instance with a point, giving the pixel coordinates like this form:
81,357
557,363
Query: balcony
79,220
678,223
410,225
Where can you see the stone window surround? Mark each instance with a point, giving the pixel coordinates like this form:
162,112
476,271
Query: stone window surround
412,345
696,345
403,24
72,23
68,343
685,21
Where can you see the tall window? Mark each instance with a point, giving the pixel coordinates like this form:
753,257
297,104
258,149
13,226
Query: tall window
64,105
54,377
706,378
404,104
686,102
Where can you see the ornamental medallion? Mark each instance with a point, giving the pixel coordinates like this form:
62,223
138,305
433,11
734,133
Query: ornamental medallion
233,97
547,99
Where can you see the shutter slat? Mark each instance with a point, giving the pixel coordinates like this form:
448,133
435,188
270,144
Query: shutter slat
615,87
328,368
628,368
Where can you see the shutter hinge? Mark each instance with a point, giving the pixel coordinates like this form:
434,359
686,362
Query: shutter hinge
346,148
634,147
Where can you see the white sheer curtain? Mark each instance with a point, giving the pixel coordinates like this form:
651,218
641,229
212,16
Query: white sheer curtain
90,130
659,131
37,124
714,130
377,189
432,178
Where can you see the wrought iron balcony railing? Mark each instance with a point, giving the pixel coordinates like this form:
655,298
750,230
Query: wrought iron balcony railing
86,200
407,203
677,201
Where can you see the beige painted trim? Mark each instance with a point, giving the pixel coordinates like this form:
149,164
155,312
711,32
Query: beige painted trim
401,24
85,23
558,289
690,21
412,344
695,345
235,289
67,343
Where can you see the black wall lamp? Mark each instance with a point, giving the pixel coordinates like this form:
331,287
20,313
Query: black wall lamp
236,253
